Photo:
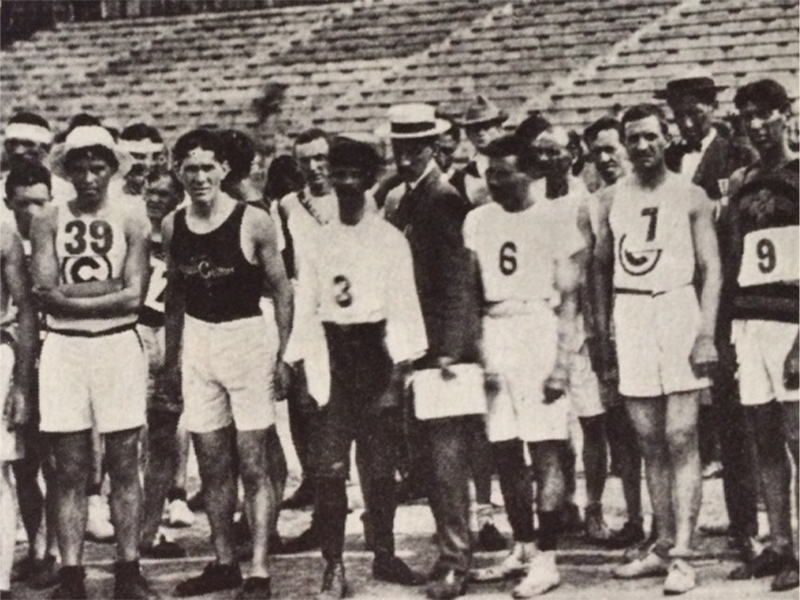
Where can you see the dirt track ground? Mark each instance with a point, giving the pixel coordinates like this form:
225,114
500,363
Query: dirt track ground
586,570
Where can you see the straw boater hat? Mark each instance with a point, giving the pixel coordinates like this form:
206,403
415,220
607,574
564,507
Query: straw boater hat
483,111
414,121
695,82
86,137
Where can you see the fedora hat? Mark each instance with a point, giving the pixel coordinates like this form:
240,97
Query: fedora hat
88,136
412,121
482,110
697,81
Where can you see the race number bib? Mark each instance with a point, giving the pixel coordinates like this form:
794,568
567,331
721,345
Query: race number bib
85,249
770,256
158,285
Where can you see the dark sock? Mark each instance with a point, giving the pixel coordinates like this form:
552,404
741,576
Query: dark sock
176,493
94,489
549,526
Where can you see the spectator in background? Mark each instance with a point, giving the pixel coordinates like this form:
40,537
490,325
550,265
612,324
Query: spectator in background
705,156
162,194
482,123
241,153
143,142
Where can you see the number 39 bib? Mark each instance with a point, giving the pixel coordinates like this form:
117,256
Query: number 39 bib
770,256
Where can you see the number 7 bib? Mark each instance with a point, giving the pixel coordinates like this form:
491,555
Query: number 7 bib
770,256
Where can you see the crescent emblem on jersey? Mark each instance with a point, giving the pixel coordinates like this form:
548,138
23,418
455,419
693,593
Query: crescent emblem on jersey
637,263
80,269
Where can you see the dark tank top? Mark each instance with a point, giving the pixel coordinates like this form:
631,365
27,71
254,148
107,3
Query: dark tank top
220,283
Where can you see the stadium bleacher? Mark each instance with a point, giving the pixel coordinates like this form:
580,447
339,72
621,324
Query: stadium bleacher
343,64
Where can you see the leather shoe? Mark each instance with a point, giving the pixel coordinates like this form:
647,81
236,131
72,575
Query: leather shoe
393,570
450,584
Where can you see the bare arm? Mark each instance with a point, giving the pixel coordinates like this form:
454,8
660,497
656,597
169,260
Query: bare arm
568,273
708,264
128,300
90,289
709,269
17,281
269,258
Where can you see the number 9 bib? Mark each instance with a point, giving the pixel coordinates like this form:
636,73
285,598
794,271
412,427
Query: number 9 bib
770,256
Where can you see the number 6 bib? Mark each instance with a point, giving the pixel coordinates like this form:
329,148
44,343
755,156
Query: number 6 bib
770,256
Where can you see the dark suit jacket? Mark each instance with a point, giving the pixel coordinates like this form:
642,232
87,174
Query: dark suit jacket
720,160
432,216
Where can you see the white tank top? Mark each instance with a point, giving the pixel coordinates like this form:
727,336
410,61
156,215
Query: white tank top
90,248
517,251
653,245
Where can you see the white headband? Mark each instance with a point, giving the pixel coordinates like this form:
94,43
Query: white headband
144,146
28,131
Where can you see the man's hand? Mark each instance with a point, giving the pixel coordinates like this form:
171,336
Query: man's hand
555,386
16,411
791,367
444,363
704,355
284,378
491,383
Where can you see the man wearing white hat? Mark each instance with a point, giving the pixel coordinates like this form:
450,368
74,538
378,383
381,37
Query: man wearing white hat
28,137
90,271
431,214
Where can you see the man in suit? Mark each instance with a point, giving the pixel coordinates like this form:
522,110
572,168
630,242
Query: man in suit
482,123
707,155
431,214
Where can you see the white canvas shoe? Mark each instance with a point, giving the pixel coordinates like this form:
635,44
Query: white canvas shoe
542,577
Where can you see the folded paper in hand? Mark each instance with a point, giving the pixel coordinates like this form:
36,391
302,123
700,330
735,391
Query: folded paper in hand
437,398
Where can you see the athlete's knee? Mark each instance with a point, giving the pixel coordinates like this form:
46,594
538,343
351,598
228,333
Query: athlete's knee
72,474
682,439
254,474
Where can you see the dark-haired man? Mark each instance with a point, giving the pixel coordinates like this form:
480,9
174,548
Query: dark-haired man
359,287
303,213
18,348
529,275
28,193
763,238
163,192
431,214
604,141
653,237
222,257
90,270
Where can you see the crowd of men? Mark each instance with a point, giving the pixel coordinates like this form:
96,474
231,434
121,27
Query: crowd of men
451,321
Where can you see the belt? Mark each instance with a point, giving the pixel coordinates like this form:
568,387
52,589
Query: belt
651,293
93,334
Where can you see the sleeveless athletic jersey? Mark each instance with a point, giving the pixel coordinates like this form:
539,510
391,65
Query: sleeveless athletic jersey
91,248
517,252
152,313
364,274
220,283
653,246
767,243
